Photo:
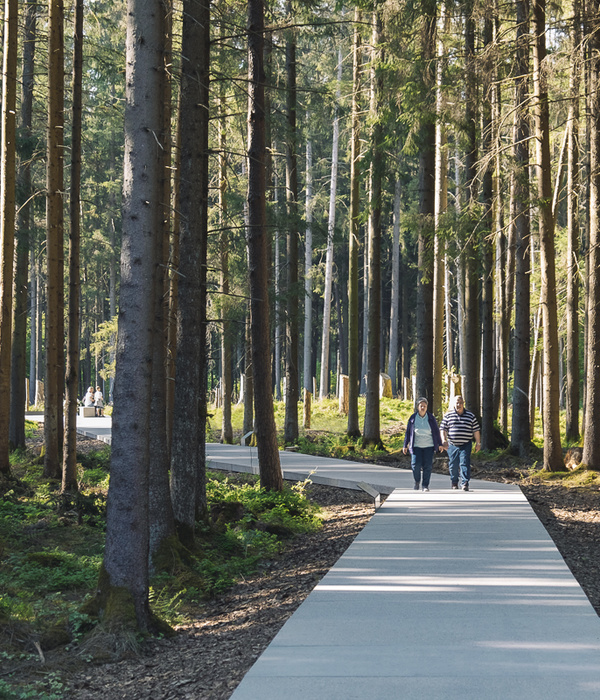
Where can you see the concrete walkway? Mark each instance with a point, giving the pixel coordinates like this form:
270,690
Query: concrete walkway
442,595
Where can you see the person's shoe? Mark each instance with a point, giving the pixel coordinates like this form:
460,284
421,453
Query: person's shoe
425,488
416,486
465,486
455,486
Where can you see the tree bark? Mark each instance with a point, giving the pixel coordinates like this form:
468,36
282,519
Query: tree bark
7,223
426,211
125,569
266,434
472,333
327,294
162,523
487,256
553,460
18,397
189,411
371,428
53,406
439,258
392,368
290,431
353,429
572,336
591,425
69,472
520,440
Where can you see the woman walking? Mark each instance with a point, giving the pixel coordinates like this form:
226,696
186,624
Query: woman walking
422,439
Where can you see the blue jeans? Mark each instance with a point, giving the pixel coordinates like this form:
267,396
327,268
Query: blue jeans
422,458
460,456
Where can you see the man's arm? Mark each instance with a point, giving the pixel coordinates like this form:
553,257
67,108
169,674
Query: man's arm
477,436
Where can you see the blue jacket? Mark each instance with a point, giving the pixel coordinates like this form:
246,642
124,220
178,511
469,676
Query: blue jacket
409,438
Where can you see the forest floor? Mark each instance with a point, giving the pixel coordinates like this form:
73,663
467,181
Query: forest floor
211,653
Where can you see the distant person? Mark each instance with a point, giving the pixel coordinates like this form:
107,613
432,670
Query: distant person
422,439
459,428
89,398
99,402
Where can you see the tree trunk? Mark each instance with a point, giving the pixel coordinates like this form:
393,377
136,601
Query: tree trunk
226,354
290,432
392,368
520,439
7,223
553,459
487,256
591,430
424,326
439,259
258,261
124,575
189,411
18,397
162,523
308,251
371,428
277,286
69,473
572,336
324,383
353,322
33,315
248,392
53,407
472,337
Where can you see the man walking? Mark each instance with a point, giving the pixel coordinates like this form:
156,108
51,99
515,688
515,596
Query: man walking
459,427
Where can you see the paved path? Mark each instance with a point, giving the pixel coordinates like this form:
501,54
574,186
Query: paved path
97,428
443,595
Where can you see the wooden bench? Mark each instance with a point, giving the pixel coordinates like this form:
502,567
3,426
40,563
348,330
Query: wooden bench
87,411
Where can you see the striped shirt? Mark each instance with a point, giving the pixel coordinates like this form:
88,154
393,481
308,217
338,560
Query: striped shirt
460,428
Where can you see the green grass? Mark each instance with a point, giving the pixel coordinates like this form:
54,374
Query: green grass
51,551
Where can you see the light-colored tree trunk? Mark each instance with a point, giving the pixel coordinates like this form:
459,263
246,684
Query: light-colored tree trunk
439,258
353,429
33,315
365,314
308,249
277,286
69,469
173,291
553,459
53,407
248,386
392,368
327,294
